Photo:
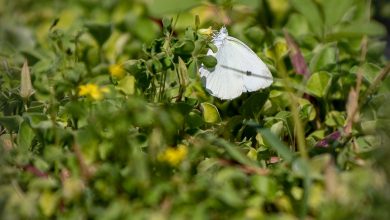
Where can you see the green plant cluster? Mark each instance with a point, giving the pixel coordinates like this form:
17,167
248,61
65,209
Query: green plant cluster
103,114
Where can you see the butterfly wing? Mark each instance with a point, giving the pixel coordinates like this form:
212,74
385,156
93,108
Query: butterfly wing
220,82
255,73
238,70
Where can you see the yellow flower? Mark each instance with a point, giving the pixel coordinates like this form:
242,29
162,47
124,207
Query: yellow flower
207,31
117,71
93,91
174,156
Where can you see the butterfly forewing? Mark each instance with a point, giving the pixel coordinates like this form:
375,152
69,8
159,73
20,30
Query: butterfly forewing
255,73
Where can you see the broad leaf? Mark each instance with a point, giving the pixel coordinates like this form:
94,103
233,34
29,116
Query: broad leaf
11,123
252,106
25,136
127,85
210,113
319,83
310,10
334,10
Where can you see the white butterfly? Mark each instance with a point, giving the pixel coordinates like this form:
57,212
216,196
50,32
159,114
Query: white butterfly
238,69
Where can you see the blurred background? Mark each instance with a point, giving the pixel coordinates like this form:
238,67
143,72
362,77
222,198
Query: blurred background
71,43
137,22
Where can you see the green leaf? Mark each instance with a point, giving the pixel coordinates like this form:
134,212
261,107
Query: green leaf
250,3
358,29
309,9
318,83
278,129
145,29
376,48
193,69
88,144
210,113
252,106
235,153
324,55
265,186
167,22
297,25
11,123
369,71
209,61
183,107
194,119
308,112
25,136
38,120
254,34
160,8
335,119
48,202
334,10
127,85
276,144
370,28
185,47
212,47
101,32
227,194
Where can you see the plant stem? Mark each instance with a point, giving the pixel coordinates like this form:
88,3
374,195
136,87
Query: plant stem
300,133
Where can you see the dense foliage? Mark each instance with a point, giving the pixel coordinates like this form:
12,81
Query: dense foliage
103,114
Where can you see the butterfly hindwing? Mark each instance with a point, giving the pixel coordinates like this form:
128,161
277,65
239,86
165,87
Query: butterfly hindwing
220,82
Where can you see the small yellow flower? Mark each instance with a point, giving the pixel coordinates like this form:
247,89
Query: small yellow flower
93,91
206,31
117,71
174,156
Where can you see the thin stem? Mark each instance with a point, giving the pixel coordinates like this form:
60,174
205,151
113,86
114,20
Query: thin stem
353,97
300,132
84,169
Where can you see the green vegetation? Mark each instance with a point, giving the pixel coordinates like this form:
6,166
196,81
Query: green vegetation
103,114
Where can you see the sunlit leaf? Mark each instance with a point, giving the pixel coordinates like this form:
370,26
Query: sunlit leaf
323,56
210,113
335,119
48,202
318,83
369,71
127,85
